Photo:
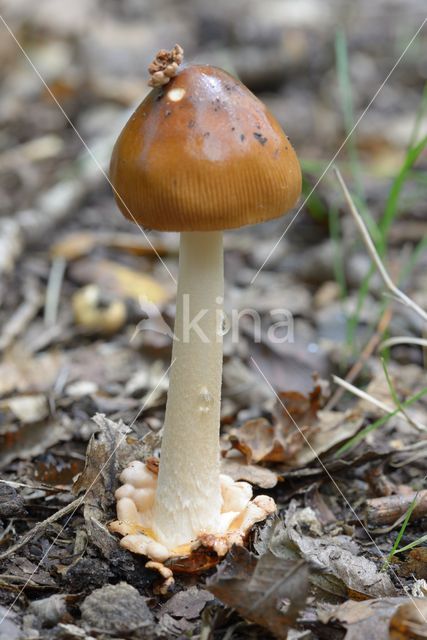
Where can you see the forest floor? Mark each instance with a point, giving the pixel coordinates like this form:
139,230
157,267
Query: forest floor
346,556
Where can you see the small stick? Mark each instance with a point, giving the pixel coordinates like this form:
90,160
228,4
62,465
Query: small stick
378,403
364,356
402,297
22,316
391,342
41,527
53,291
11,244
386,510
362,394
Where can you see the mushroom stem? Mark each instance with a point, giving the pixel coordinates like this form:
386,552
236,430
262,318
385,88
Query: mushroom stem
188,497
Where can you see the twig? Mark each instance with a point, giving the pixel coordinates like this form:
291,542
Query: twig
53,291
388,509
378,403
391,342
22,316
40,528
374,254
7,580
36,487
11,244
364,357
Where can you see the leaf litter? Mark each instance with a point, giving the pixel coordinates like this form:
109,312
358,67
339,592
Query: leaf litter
315,572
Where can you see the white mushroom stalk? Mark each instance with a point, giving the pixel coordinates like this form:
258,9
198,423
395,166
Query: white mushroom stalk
188,497
190,502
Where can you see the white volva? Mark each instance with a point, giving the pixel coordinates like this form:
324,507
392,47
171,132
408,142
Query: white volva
188,497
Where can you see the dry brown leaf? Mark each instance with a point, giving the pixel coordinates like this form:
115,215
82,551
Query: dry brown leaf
255,474
75,245
79,243
32,439
119,280
336,558
409,622
27,408
381,619
415,564
19,372
268,590
186,604
25,373
109,451
180,616
300,433
258,441
333,427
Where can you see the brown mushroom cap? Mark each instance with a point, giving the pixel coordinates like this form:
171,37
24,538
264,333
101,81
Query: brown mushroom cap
203,154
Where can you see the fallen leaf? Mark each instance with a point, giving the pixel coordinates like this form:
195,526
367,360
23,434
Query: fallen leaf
257,441
419,588
119,280
381,619
79,243
332,428
239,470
19,372
27,409
187,604
415,564
108,453
410,620
170,627
266,590
24,570
75,245
300,431
336,558
32,439
100,363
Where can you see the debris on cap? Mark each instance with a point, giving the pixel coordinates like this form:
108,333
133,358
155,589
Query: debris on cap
231,162
165,66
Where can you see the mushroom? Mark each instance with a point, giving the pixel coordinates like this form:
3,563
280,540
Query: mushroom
201,154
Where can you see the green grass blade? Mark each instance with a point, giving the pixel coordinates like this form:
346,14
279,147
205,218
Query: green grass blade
401,531
339,266
390,212
413,259
391,386
345,88
411,545
391,207
378,423
419,118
